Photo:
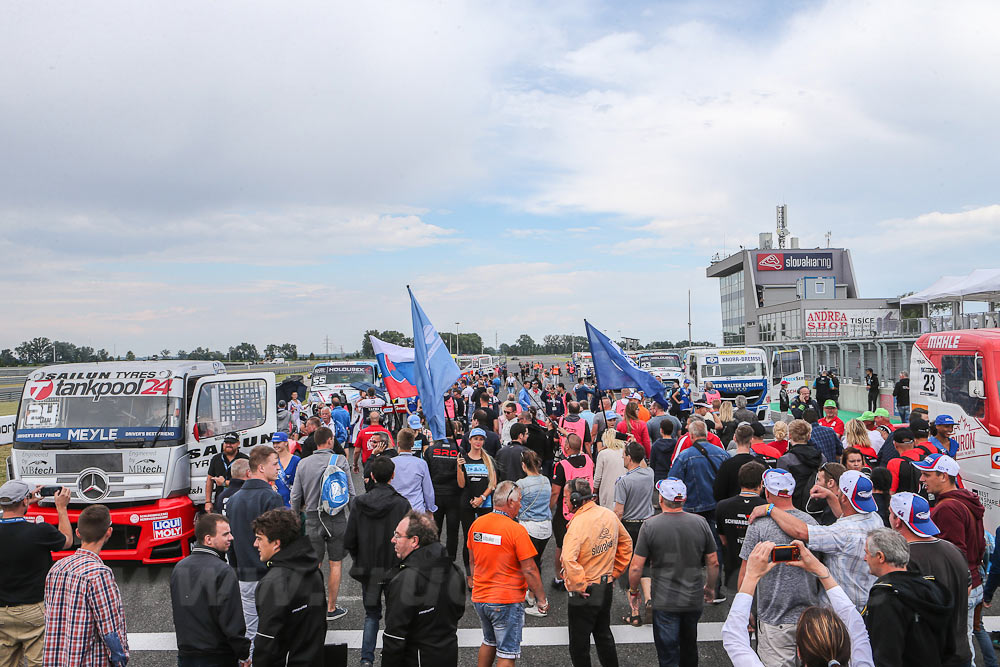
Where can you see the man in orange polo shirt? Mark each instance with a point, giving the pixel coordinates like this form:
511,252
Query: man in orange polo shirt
502,564
596,551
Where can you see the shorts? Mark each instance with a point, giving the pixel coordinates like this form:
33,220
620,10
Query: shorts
559,526
326,534
502,625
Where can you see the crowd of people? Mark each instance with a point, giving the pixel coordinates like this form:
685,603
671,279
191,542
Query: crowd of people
839,543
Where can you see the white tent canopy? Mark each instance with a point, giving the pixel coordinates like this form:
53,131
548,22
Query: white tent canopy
980,285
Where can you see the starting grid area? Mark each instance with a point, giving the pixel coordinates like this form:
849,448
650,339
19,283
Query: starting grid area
473,637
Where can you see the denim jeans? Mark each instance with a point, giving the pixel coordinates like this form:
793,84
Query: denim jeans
371,598
502,627
904,413
675,634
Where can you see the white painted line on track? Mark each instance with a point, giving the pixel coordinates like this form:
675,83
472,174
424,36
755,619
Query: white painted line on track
467,637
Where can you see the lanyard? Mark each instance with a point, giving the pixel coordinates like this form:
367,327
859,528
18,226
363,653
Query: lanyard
281,468
19,519
229,465
496,511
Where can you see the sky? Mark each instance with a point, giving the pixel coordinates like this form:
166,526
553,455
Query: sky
178,174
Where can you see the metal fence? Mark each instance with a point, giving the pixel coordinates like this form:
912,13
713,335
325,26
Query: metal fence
887,357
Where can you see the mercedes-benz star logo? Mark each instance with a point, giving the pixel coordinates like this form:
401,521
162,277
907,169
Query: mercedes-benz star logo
93,484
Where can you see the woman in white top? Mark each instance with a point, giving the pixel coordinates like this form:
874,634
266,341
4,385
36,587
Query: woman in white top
823,638
608,467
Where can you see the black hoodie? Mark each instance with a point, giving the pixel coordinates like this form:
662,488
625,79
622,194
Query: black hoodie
368,539
291,609
442,460
908,619
802,460
425,598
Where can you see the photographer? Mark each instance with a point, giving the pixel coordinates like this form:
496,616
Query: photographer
25,558
823,636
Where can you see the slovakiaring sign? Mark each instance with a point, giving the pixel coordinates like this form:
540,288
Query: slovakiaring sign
860,323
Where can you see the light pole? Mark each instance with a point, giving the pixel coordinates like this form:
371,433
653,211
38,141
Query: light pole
458,341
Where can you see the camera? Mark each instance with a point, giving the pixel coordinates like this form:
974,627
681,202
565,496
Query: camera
786,553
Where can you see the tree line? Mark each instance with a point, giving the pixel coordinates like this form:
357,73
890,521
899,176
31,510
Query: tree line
41,350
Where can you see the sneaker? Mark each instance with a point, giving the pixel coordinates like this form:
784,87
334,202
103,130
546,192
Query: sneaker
366,663
535,611
559,584
529,599
339,612
719,600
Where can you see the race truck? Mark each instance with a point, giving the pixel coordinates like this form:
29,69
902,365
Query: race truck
664,366
732,371
135,436
957,373
335,377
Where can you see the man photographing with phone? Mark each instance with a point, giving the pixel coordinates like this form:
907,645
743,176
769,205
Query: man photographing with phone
25,558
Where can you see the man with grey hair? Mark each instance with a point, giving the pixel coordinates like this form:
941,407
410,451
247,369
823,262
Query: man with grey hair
908,614
742,414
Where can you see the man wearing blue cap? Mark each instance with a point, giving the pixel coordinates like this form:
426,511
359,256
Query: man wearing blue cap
944,426
910,516
844,540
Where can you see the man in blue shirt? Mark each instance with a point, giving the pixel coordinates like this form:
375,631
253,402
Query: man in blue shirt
413,476
697,467
823,438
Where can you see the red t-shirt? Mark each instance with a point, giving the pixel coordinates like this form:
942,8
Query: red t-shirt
781,446
836,423
365,434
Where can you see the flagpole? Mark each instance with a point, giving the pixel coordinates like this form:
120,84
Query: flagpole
597,377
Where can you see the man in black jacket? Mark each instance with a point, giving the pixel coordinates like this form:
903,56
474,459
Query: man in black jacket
291,602
253,499
442,460
538,439
425,597
373,519
802,460
205,596
908,614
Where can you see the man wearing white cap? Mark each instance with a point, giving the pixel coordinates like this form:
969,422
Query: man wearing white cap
959,516
844,540
910,516
680,546
784,592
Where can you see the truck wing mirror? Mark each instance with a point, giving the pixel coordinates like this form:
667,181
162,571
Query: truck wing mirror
977,389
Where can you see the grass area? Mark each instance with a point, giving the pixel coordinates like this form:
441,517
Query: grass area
4,453
8,408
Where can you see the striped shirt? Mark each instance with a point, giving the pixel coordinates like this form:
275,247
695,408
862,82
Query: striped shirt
843,542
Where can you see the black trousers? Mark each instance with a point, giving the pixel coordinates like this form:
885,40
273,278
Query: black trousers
448,511
592,616
873,402
540,549
468,514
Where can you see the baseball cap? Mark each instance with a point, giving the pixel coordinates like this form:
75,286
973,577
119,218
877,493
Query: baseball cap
784,382
830,403
758,429
610,414
687,380
232,436
858,489
477,431
635,396
921,427
14,491
881,412
867,416
914,511
279,436
939,463
702,404
944,420
413,421
672,488
779,482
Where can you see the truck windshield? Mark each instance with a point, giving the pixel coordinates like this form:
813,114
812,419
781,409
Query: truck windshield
110,419
744,369
664,362
343,375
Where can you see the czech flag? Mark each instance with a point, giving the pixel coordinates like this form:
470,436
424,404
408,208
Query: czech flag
397,368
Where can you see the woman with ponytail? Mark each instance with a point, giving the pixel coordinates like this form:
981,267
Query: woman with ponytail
823,637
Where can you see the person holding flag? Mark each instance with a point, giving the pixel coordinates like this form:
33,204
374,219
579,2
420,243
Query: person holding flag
434,368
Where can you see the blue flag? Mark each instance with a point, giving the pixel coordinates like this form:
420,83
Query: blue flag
615,369
434,368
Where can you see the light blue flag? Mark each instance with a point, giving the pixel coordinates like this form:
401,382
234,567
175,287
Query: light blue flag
434,368
615,369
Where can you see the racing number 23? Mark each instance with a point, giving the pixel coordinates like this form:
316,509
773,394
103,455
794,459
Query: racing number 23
930,383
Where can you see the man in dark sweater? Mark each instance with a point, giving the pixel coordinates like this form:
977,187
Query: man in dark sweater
205,597
291,603
907,614
256,497
369,541
727,483
442,459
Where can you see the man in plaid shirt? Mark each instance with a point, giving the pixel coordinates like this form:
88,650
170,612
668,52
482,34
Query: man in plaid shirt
84,619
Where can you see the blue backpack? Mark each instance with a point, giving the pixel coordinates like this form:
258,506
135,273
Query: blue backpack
334,493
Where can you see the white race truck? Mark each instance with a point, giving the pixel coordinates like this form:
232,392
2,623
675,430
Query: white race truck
137,437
